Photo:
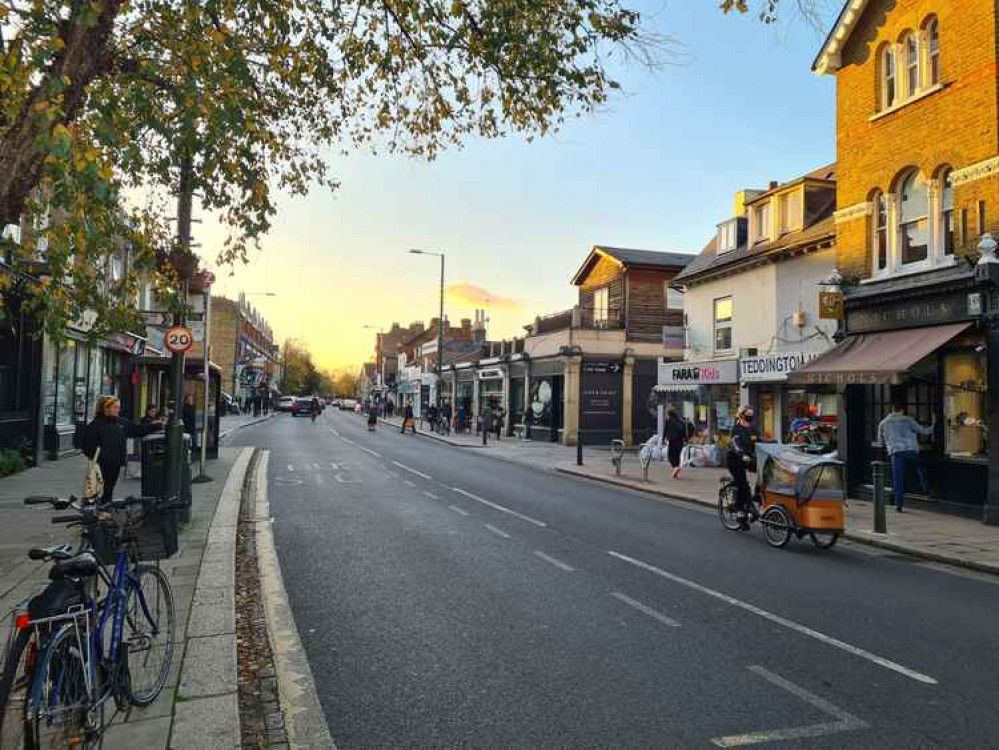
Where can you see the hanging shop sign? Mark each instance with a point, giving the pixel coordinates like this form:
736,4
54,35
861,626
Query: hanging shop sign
772,367
831,305
493,373
699,373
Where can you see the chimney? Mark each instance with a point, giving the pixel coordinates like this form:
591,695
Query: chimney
773,185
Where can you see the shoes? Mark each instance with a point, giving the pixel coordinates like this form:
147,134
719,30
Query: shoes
900,509
676,473
744,526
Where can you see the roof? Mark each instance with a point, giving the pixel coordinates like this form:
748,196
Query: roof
630,257
828,59
822,174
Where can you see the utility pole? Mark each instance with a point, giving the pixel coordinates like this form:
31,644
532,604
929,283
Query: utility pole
206,346
175,428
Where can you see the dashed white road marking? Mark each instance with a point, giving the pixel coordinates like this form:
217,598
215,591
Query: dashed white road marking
458,510
347,440
557,563
645,610
408,483
431,495
498,507
334,432
412,471
341,480
334,465
315,466
497,532
291,467
783,621
368,450
845,722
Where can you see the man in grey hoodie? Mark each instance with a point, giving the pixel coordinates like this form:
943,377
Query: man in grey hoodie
899,433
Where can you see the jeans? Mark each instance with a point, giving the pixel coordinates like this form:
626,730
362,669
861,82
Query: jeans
899,462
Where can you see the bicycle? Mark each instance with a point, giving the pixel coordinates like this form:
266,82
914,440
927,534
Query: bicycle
728,506
70,649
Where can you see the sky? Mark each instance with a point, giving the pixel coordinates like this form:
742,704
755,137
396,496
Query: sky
657,170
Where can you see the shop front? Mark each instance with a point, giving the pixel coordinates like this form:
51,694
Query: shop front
707,393
158,373
789,413
601,400
518,385
927,348
546,400
491,393
464,397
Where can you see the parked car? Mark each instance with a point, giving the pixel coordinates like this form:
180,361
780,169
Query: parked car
285,403
335,403
302,407
347,404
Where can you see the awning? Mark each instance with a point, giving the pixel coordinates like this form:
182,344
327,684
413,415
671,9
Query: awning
875,358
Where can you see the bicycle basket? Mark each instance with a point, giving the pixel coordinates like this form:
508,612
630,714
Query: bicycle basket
154,537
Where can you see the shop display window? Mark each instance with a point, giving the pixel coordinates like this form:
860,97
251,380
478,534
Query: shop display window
65,386
811,418
964,405
768,417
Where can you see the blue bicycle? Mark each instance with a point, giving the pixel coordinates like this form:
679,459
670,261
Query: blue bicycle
102,630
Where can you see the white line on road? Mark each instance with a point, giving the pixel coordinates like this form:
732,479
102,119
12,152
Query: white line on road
645,610
315,466
431,495
347,440
408,483
497,532
783,621
498,507
412,471
291,467
458,510
334,432
368,450
557,563
846,722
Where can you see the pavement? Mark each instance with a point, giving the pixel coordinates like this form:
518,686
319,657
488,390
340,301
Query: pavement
198,707
447,599
928,534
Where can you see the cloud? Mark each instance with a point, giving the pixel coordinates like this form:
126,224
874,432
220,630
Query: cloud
467,294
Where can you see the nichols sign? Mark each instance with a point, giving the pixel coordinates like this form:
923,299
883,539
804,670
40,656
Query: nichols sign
699,373
772,366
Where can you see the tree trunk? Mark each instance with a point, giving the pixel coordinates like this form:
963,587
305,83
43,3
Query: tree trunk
85,58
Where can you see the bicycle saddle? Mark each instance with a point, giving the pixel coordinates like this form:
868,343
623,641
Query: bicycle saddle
55,552
77,566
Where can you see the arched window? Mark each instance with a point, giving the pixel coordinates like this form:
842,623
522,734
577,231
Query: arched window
947,212
911,47
912,225
888,87
933,37
879,231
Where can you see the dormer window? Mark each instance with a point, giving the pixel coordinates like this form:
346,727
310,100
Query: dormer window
728,236
790,212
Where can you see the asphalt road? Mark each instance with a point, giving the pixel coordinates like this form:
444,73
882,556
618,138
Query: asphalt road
448,599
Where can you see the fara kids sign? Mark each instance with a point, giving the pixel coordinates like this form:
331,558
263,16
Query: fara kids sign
773,366
698,373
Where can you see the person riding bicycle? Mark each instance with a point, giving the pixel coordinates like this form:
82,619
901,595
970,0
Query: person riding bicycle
738,458
372,416
314,408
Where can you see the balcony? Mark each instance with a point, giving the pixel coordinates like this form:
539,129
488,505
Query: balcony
578,318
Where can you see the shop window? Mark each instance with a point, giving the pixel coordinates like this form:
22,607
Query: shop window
769,418
964,375
64,386
723,324
912,226
811,418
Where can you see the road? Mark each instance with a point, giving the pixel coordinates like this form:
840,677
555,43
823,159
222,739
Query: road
449,599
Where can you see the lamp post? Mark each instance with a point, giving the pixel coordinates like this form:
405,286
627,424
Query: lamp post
440,325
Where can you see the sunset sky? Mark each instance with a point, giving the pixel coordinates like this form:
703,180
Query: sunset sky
657,170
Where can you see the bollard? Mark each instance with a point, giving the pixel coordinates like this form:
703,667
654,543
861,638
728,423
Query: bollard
579,447
880,523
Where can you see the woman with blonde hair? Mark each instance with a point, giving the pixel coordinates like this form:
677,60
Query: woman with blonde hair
107,437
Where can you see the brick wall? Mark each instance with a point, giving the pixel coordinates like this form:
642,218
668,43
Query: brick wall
957,126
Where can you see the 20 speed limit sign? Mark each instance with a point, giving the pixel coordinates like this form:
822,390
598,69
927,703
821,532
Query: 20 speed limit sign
179,339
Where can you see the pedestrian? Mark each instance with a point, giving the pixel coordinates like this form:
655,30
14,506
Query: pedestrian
899,433
190,420
676,438
446,416
105,440
432,416
462,417
407,419
152,415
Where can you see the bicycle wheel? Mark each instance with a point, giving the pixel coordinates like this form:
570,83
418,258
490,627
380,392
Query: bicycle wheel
777,526
824,541
148,633
61,711
18,669
727,510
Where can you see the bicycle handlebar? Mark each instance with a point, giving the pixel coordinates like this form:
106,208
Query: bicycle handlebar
66,519
40,500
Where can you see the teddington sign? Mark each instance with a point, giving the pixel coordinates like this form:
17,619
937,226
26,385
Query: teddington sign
772,366
698,373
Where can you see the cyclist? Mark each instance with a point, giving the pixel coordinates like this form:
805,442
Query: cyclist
314,408
738,458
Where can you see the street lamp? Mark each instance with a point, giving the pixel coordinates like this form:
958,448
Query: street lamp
440,325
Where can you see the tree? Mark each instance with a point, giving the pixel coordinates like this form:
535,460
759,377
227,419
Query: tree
348,382
300,374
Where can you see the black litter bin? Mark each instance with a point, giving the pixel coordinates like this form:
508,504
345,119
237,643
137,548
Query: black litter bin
154,466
